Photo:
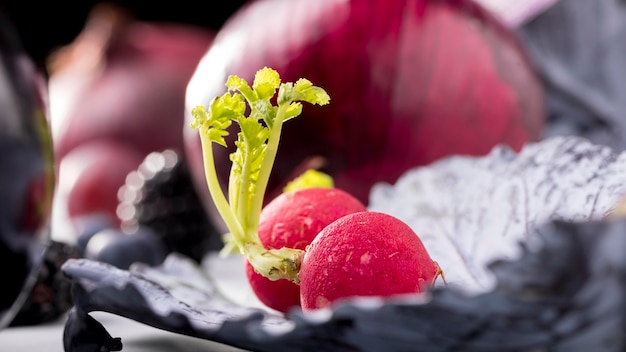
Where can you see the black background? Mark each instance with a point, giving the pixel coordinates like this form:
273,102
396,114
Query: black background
46,25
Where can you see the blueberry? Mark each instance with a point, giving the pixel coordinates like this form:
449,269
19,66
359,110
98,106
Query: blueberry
87,226
120,249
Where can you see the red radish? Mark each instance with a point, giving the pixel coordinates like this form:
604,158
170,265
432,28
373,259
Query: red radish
293,219
364,254
280,295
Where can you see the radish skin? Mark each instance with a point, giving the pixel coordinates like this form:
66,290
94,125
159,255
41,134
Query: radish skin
364,254
292,220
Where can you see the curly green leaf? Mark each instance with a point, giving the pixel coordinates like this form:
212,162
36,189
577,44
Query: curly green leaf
253,159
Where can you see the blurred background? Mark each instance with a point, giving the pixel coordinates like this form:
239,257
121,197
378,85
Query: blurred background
118,79
89,40
45,26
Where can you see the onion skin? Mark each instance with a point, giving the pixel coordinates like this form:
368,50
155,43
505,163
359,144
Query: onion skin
121,82
91,174
128,79
410,82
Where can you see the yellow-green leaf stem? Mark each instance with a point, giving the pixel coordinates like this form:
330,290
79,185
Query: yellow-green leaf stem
310,178
266,166
283,263
215,189
252,162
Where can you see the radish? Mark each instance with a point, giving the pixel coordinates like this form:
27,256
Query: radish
257,146
364,254
293,219
378,241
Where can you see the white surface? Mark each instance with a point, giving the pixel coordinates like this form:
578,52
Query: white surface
230,279
136,337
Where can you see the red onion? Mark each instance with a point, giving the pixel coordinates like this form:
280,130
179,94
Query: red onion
410,82
92,173
124,79
120,82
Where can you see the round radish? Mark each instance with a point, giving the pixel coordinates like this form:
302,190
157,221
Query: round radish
292,220
280,295
364,254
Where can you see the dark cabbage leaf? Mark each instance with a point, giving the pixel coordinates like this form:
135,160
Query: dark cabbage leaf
579,51
472,211
564,291
568,296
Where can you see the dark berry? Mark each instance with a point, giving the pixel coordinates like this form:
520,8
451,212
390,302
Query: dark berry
160,195
121,249
88,225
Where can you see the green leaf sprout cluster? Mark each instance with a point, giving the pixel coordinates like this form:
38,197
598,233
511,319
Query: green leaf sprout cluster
252,162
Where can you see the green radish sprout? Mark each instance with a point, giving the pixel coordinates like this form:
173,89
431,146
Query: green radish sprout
257,146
